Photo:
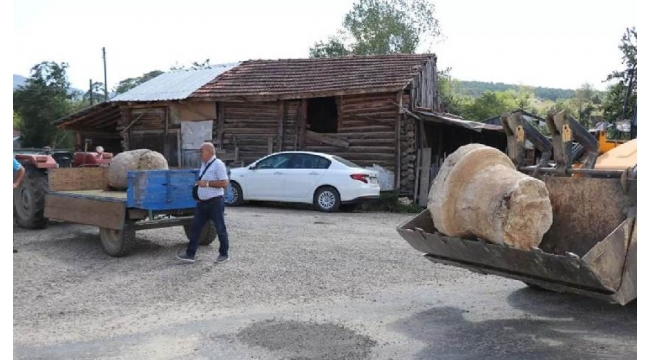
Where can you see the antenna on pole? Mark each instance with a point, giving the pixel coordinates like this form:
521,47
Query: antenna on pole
105,82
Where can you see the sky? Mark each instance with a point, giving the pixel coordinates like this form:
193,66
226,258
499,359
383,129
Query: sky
549,43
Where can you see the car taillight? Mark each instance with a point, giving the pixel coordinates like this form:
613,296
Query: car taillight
361,177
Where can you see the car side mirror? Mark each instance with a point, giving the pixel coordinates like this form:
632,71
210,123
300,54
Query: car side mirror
252,167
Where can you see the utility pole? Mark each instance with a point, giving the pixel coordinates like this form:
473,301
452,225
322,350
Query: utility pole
105,83
90,92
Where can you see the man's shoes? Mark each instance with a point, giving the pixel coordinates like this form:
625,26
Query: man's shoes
186,258
221,259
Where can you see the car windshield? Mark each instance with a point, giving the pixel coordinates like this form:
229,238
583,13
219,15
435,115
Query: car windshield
346,162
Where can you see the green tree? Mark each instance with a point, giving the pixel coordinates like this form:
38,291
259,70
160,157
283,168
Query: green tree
17,121
128,84
491,104
452,101
96,91
625,81
523,97
375,27
44,98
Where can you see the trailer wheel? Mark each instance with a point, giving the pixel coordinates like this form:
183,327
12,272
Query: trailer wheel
29,199
208,234
117,243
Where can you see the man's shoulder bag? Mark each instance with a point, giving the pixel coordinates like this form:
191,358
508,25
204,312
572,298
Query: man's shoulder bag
195,188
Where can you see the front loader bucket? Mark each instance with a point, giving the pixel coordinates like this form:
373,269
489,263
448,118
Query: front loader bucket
590,249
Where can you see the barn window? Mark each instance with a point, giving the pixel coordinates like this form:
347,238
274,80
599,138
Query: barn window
322,115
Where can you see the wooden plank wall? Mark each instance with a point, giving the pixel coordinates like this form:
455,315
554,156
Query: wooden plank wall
149,119
366,132
291,113
425,88
249,125
367,123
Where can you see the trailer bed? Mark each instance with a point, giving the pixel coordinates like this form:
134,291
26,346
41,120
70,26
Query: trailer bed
118,196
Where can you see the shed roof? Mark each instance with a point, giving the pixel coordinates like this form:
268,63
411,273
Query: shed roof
173,85
296,78
100,117
170,86
453,120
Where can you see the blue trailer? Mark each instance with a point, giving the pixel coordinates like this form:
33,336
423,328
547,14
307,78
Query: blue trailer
153,199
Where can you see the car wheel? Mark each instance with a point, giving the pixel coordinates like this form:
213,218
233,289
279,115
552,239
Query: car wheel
235,196
327,199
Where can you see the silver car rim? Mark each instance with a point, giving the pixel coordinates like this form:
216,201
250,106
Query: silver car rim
326,200
235,196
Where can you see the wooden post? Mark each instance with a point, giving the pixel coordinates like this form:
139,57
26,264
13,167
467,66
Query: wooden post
303,123
416,192
221,123
280,125
424,177
296,126
398,143
126,119
270,146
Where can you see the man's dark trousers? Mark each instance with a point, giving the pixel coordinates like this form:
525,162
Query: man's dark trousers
205,211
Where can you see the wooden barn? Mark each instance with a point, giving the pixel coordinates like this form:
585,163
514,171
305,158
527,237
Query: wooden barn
346,106
372,110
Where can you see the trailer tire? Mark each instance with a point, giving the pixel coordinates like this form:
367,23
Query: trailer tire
117,243
208,234
29,199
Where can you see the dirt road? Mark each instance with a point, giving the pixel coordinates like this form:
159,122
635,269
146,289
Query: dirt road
300,285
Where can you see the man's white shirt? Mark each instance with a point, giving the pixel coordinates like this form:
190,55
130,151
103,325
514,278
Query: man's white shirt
216,172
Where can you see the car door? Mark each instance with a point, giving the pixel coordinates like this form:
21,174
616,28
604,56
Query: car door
305,170
266,179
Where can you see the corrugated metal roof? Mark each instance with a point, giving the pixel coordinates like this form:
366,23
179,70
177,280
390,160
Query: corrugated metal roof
173,85
283,78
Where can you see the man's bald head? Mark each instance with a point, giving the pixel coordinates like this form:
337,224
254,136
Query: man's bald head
207,151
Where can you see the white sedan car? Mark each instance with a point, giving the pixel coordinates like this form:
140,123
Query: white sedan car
327,181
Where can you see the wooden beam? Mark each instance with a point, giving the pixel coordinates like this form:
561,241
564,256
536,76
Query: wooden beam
424,177
398,142
296,124
134,121
325,139
126,118
221,120
280,125
378,121
269,146
303,124
418,168
299,95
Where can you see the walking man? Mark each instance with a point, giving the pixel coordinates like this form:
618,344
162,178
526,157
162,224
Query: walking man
18,179
210,206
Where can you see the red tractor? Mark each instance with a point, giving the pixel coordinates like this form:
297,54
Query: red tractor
29,198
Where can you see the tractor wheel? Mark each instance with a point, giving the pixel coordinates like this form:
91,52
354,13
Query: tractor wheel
117,243
29,199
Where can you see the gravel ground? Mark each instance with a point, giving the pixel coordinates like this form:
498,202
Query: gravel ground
299,285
